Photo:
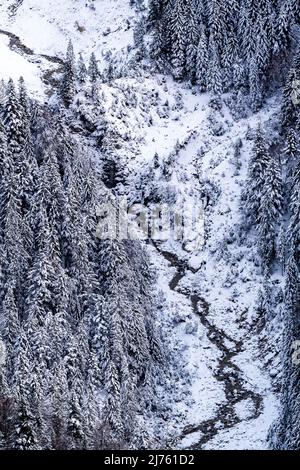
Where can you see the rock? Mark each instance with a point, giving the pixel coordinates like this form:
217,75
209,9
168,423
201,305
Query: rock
179,318
191,328
273,373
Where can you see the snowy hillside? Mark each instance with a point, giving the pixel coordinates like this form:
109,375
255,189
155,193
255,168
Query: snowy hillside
231,401
30,29
46,27
169,145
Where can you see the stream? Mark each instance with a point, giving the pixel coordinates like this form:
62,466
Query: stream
226,372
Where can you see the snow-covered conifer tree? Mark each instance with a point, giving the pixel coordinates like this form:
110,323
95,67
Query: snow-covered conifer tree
202,60
82,70
93,68
68,86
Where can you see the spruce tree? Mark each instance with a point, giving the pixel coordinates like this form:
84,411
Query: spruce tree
68,86
271,201
178,39
202,61
291,99
192,41
229,57
259,164
214,73
255,86
293,236
291,148
93,68
82,70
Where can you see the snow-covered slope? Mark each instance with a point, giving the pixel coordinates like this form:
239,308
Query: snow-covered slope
12,64
44,27
226,400
47,25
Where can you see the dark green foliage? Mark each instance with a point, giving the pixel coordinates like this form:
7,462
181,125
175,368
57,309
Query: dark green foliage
255,33
73,319
68,87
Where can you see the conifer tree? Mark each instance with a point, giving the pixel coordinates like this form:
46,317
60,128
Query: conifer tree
214,74
294,225
93,68
155,10
82,70
284,434
255,86
2,95
269,212
75,427
24,435
5,169
178,41
11,322
192,41
291,148
59,407
28,164
13,120
229,57
291,99
258,166
265,32
202,61
239,75
68,88
217,24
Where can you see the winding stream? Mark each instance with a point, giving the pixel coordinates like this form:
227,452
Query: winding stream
227,372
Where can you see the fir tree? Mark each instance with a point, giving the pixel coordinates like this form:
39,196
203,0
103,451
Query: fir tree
255,86
68,88
217,24
10,328
258,166
75,426
291,148
269,212
192,42
82,70
294,226
202,61
178,41
93,68
291,99
229,58
214,75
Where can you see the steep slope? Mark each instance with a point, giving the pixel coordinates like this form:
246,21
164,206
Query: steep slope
34,36
94,26
211,308
226,398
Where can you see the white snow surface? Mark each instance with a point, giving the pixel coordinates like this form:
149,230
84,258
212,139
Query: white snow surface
13,64
228,279
46,26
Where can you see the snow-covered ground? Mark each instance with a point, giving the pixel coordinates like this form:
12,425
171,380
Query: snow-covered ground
13,64
46,26
220,344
